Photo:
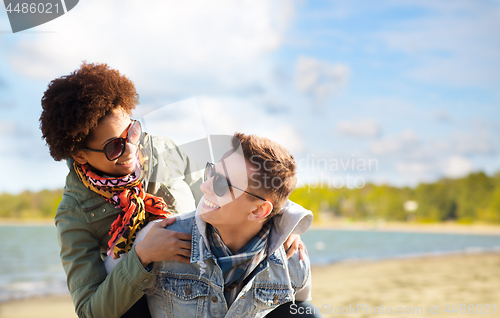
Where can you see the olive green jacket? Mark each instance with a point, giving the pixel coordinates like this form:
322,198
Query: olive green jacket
83,220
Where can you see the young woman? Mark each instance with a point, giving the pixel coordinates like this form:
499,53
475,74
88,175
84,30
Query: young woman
85,120
111,191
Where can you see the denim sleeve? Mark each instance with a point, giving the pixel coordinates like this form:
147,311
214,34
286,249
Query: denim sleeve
304,294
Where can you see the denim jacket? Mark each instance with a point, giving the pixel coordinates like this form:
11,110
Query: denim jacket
197,289
83,220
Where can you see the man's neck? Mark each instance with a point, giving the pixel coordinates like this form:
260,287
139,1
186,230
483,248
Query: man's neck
236,237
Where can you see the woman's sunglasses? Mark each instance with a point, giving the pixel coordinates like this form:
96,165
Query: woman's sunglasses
220,183
116,147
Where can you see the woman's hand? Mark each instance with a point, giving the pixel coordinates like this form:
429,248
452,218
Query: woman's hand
161,245
292,244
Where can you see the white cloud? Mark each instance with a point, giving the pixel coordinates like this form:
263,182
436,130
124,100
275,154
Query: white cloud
181,121
7,128
478,142
451,166
456,167
320,78
413,168
472,142
168,46
359,128
404,142
287,136
227,115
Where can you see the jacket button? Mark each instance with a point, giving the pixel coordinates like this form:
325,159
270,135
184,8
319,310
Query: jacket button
275,300
92,214
103,211
214,299
187,291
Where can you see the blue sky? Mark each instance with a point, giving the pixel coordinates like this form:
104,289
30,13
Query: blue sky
410,85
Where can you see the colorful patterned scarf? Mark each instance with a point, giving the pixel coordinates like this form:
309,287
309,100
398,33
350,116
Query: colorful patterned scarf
126,193
236,268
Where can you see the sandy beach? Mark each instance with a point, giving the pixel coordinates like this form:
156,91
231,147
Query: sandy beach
411,284
360,289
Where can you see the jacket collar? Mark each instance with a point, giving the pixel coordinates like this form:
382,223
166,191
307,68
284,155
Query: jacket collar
292,219
88,199
198,243
297,220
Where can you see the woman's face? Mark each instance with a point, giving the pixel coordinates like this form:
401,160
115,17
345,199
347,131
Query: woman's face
114,125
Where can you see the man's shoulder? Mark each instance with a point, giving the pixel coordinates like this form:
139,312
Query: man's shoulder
183,223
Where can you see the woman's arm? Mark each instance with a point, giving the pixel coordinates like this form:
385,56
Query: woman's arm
95,294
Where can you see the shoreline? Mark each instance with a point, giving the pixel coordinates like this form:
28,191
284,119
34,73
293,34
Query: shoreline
442,228
344,262
451,228
466,253
28,222
420,282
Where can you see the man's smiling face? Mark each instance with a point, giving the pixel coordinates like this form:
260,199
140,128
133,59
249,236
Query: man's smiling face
234,206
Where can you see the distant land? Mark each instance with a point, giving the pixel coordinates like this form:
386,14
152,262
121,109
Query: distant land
471,199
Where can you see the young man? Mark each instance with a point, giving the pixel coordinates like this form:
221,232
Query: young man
238,265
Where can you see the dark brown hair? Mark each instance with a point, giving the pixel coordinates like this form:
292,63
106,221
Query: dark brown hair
74,104
274,170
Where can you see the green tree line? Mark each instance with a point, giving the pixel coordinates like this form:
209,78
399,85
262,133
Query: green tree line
30,205
474,198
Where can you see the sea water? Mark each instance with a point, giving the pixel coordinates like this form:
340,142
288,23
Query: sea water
329,246
30,264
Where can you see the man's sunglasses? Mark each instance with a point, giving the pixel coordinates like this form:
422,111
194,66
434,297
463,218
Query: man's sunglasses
220,182
113,149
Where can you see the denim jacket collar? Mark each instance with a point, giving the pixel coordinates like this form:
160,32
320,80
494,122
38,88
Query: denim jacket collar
296,221
198,243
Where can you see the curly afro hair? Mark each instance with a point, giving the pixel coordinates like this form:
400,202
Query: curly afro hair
74,104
